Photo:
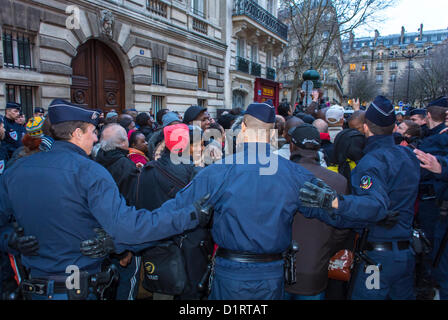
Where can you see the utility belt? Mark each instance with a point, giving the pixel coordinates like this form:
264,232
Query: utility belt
247,257
289,256
96,283
386,246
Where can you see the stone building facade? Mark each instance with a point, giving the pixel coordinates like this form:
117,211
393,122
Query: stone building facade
115,54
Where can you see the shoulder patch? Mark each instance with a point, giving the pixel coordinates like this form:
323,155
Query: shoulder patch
2,166
366,182
13,135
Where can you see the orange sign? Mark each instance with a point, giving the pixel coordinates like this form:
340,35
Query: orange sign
268,92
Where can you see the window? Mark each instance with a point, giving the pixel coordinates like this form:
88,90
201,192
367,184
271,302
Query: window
202,78
240,48
394,65
23,95
17,50
379,66
271,6
379,78
364,67
352,67
157,104
254,53
202,103
269,59
238,99
197,6
393,77
157,73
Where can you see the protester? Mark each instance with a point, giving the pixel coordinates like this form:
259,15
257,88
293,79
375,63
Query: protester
145,124
138,148
198,116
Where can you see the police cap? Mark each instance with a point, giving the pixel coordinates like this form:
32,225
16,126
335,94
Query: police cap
264,112
63,111
439,102
13,105
421,112
381,112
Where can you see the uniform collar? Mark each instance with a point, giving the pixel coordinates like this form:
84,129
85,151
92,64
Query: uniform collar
436,130
379,141
68,146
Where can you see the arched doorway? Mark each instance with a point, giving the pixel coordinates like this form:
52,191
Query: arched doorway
97,79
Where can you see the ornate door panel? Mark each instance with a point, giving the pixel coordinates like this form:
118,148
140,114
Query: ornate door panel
97,80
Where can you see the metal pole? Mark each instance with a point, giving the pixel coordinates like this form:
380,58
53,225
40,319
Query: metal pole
409,79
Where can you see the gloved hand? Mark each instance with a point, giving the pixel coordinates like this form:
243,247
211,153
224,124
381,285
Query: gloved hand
203,211
26,245
390,220
99,247
317,194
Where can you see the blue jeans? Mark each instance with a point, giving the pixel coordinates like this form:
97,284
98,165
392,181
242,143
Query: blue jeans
291,296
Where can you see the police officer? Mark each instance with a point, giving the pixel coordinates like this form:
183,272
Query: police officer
429,201
14,132
439,167
80,196
252,225
384,183
3,152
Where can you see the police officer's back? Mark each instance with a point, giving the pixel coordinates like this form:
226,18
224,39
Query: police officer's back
384,182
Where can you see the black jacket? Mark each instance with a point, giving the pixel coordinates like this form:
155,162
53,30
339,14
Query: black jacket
122,169
147,131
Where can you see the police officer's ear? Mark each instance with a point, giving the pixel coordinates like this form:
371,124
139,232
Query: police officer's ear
243,126
367,131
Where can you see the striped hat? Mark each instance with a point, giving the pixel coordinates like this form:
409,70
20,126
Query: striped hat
34,127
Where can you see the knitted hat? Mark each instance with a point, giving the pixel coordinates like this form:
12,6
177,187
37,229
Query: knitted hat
34,127
169,118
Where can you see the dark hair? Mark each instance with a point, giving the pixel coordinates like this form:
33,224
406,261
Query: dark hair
160,114
414,130
125,120
377,130
133,137
236,111
142,119
227,120
64,130
284,109
437,113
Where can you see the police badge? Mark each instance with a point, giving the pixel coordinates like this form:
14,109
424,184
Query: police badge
13,135
366,182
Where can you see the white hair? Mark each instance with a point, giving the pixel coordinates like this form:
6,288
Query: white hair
116,139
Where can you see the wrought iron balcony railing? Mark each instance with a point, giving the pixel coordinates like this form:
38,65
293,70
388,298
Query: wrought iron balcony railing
270,73
251,9
255,69
242,64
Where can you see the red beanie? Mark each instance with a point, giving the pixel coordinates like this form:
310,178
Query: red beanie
177,137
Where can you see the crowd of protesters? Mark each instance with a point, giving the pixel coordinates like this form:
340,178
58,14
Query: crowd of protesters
140,152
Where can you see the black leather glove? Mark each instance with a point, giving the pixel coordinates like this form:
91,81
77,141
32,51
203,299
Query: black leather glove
26,245
317,194
204,211
99,247
390,220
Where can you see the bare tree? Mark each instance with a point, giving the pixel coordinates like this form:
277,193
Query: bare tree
363,87
318,26
427,81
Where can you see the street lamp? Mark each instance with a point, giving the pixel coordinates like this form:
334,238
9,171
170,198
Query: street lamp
411,54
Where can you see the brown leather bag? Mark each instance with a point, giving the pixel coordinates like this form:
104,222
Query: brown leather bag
340,265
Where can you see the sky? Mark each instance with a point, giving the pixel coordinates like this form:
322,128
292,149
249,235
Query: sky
410,14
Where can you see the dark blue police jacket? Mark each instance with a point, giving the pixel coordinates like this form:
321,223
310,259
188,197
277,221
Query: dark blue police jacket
60,196
254,209
385,180
14,133
4,157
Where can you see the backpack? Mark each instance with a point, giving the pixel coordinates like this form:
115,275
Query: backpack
175,266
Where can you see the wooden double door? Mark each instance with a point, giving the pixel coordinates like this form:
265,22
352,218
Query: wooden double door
97,78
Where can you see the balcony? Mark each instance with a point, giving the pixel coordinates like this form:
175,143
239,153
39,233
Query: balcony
242,64
157,7
255,69
270,73
261,16
200,26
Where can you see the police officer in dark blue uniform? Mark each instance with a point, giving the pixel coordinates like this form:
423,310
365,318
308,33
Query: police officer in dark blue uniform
13,131
254,194
384,184
429,201
438,165
3,152
419,117
80,196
